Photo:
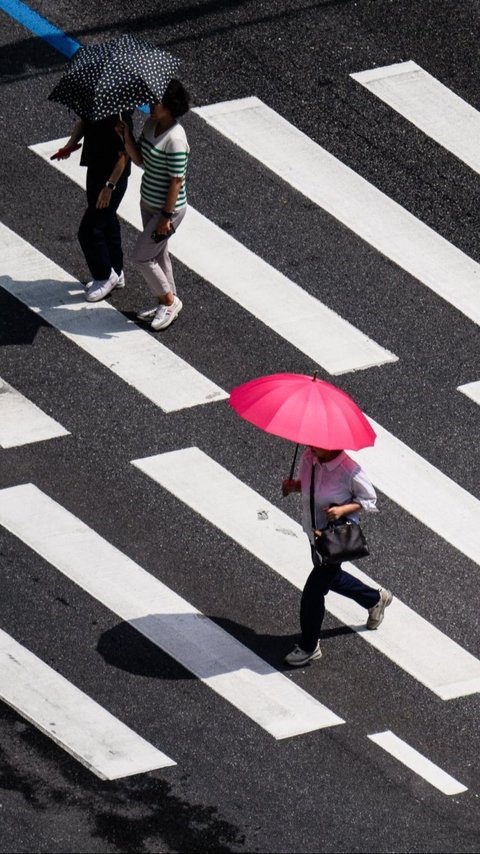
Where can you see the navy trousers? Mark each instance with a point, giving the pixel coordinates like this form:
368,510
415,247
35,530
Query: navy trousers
325,577
99,233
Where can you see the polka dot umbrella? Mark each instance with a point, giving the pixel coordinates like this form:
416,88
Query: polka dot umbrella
109,77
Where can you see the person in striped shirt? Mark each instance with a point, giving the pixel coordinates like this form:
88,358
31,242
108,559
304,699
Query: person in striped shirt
162,150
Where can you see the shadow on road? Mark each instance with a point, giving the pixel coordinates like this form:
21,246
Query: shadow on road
128,645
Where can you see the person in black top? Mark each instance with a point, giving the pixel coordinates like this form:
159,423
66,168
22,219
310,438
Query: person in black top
108,167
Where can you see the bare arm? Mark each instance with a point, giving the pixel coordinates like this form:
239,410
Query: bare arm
131,146
105,193
72,143
77,134
335,512
164,225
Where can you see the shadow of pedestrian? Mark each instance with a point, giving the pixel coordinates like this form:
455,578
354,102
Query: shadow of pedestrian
62,304
210,646
18,325
205,646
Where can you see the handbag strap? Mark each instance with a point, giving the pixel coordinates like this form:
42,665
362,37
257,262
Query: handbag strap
312,498
312,502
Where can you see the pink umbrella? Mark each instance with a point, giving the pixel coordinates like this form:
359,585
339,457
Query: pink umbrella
304,410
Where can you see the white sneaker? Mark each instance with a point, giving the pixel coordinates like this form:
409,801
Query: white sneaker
120,282
166,314
147,313
101,289
377,613
298,657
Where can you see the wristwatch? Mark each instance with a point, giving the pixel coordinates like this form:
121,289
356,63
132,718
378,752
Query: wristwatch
110,185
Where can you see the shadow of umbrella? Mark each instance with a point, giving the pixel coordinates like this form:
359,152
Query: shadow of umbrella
152,646
125,648
139,646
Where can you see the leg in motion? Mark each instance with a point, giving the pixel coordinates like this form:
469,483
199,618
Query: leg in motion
372,598
312,612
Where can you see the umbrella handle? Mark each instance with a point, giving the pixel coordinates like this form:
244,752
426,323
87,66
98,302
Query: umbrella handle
123,135
292,468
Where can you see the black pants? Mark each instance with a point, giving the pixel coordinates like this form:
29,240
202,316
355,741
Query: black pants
325,577
99,232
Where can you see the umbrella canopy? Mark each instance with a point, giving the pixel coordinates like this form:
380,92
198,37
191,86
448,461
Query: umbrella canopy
107,78
305,410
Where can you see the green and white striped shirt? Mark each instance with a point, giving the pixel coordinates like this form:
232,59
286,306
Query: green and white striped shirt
164,157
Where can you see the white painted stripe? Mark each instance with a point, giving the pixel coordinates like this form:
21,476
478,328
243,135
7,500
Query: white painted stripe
22,422
423,490
418,763
70,718
238,675
429,105
472,390
313,328
386,70
383,223
99,329
258,526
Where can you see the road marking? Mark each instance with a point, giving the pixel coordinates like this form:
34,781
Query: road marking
405,638
472,390
44,29
70,718
99,329
22,422
40,26
429,105
224,664
283,306
336,188
417,762
423,490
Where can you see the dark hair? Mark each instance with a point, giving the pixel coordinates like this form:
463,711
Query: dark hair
176,99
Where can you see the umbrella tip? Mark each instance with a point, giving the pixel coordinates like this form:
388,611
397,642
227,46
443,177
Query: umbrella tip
315,375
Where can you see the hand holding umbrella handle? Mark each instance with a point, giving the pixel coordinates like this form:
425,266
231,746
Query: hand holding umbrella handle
65,152
289,485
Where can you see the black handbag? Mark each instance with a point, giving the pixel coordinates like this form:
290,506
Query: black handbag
339,541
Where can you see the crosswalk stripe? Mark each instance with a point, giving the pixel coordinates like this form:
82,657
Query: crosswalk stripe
423,490
428,104
258,526
472,390
336,188
99,329
224,664
418,763
70,718
313,328
22,422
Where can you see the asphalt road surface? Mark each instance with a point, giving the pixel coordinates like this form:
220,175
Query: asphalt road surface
322,220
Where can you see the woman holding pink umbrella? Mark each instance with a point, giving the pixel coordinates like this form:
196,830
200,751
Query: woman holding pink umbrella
339,489
333,486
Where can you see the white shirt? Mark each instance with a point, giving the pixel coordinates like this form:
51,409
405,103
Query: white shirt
340,481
